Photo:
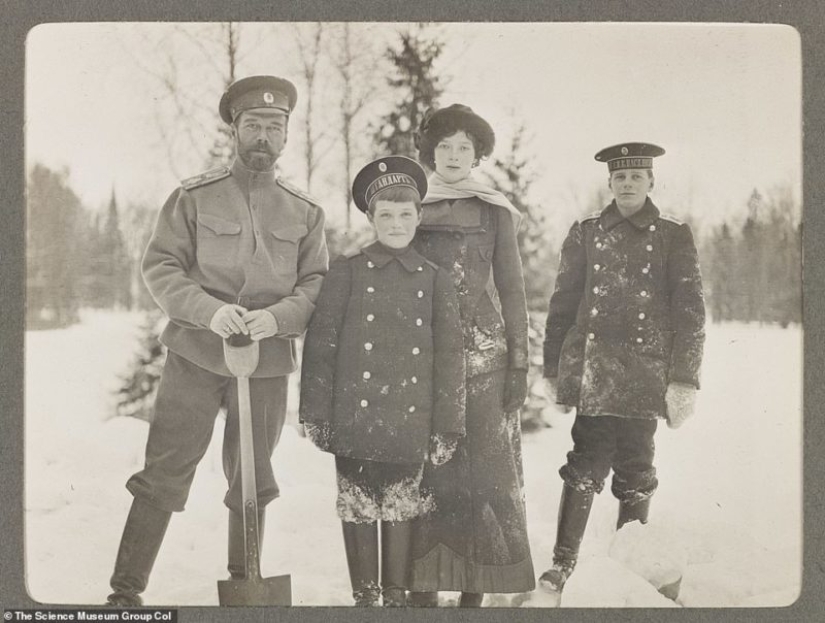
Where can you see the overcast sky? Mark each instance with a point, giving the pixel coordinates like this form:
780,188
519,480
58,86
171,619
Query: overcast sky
723,100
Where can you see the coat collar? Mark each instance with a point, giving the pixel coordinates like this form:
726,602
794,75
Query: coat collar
247,177
646,216
380,255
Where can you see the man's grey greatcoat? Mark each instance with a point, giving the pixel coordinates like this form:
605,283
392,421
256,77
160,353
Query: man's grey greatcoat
226,236
627,314
236,236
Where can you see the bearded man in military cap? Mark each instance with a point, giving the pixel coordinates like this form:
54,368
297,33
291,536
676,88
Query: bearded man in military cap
236,250
623,346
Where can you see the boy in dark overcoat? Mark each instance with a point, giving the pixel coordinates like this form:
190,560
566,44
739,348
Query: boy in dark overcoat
382,385
623,345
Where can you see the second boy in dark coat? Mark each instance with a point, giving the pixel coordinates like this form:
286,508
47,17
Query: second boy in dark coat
623,345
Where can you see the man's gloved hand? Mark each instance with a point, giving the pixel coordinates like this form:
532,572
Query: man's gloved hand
515,390
228,320
261,323
551,387
319,433
442,447
680,399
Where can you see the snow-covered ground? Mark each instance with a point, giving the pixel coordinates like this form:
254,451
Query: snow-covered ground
728,508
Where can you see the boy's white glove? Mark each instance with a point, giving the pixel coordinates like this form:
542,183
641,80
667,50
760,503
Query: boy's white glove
442,447
551,386
680,399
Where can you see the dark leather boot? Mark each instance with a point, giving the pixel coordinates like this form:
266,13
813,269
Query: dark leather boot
361,546
470,600
237,545
574,510
633,511
423,599
142,536
395,562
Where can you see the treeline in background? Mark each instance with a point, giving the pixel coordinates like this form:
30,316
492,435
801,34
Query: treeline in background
89,257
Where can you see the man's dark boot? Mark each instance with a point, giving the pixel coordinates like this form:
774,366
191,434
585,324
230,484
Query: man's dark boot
361,546
144,531
395,562
633,511
237,545
470,600
574,510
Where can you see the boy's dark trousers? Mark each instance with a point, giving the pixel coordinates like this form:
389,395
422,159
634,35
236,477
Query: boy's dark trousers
361,545
602,443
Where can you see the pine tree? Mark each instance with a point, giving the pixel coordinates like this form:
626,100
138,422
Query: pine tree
136,395
720,277
751,261
120,295
418,88
782,247
513,177
756,274
109,277
138,222
55,223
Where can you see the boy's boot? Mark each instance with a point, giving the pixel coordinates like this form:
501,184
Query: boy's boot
423,599
361,546
142,536
633,511
470,600
236,551
574,510
395,562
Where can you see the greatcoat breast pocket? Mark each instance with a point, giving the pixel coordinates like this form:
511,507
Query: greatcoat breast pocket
283,246
217,239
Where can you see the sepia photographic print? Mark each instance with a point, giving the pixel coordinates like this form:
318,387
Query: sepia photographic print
612,395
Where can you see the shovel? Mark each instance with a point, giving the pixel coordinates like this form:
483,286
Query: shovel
241,355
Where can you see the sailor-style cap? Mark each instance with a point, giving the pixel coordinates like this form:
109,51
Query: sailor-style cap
629,156
384,173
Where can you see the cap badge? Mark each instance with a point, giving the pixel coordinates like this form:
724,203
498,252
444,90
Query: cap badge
624,151
382,166
269,98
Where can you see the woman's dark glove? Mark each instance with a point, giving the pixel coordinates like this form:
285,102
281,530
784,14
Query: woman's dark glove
515,390
442,447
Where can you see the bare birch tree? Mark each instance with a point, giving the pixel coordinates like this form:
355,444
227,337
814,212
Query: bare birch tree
191,65
354,62
308,41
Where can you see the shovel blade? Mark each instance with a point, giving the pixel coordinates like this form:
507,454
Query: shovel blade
275,591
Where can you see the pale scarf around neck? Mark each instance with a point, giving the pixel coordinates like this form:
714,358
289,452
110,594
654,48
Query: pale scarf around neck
439,189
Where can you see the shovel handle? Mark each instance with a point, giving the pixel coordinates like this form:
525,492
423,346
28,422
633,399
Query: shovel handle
249,487
251,540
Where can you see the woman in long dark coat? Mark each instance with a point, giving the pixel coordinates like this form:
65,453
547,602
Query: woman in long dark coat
475,538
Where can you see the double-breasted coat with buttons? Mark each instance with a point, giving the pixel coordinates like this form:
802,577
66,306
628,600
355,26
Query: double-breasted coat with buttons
383,362
475,539
627,314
